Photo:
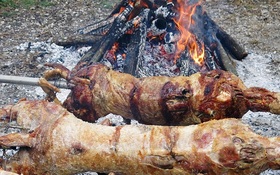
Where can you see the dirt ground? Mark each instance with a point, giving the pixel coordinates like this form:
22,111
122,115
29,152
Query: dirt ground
255,24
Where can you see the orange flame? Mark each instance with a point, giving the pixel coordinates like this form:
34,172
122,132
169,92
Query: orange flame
132,3
187,39
112,52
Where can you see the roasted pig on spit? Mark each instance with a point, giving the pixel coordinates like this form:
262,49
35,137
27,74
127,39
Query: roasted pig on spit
59,143
97,91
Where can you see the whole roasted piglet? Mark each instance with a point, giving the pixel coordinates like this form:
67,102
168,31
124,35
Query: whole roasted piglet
56,142
98,90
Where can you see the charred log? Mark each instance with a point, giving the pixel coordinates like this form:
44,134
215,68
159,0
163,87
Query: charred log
98,28
78,40
59,143
95,54
230,44
136,45
226,59
133,51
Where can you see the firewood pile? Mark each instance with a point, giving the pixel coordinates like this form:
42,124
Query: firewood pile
138,41
149,38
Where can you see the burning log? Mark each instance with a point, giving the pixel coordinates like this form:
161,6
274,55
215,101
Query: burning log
95,54
136,46
98,90
79,40
59,143
148,38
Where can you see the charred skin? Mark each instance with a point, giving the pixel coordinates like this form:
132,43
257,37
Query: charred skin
163,100
59,143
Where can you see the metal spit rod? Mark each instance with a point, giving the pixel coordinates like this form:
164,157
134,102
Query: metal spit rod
31,81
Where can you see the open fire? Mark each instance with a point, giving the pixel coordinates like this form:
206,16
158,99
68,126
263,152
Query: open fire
148,38
143,38
188,39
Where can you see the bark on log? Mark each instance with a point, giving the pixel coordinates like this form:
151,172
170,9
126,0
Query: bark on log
99,28
231,46
59,143
226,60
96,53
136,46
78,40
98,91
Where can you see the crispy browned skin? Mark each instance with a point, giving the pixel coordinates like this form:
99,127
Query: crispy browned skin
162,100
59,143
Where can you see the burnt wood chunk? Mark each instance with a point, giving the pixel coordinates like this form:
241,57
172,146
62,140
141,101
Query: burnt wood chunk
137,45
230,44
78,40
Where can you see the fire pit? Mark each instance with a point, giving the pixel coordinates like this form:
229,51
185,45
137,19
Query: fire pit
148,38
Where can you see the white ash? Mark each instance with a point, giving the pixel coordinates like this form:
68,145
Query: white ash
116,120
261,71
157,29
169,48
171,37
154,62
52,53
165,11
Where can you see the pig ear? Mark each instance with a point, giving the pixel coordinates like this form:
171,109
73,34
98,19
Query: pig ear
16,139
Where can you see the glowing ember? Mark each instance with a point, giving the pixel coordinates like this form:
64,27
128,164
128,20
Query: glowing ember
132,3
187,39
112,52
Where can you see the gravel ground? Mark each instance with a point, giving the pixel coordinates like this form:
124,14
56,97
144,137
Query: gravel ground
255,25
